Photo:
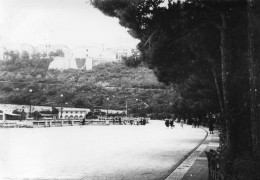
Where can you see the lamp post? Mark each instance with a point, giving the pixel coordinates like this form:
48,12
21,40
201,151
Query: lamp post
107,105
30,114
61,106
126,107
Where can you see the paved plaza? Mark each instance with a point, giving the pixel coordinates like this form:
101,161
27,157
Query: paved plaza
95,152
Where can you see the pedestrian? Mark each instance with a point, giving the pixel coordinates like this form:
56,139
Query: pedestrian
182,122
167,123
193,123
144,121
211,126
83,121
171,123
198,122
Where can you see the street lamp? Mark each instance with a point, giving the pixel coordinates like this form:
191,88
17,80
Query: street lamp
126,107
107,105
30,90
61,106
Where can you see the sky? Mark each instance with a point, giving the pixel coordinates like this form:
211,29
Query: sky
69,22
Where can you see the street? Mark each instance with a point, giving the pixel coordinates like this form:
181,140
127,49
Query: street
95,152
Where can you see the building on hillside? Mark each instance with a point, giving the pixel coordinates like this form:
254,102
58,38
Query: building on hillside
6,110
63,63
48,48
123,52
97,61
87,51
84,63
72,113
6,115
64,112
11,107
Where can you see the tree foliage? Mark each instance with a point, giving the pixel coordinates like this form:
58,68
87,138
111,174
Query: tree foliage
202,46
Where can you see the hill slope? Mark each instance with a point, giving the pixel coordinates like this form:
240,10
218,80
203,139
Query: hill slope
89,89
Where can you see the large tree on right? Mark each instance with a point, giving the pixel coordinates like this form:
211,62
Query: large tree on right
214,41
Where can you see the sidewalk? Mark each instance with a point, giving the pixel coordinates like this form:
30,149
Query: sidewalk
195,167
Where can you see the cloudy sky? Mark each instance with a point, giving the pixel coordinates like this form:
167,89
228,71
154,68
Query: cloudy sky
69,22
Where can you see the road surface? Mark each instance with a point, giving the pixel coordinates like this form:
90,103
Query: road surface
95,152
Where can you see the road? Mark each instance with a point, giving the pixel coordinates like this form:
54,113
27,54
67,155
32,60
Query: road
95,152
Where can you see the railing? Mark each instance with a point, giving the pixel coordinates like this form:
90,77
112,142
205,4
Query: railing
65,122
214,172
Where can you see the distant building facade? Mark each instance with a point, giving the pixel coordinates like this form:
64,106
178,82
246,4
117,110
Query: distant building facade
47,49
82,57
73,113
64,112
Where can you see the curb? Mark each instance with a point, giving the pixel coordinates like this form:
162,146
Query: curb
186,156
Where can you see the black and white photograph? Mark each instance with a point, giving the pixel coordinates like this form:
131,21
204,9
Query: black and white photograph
129,89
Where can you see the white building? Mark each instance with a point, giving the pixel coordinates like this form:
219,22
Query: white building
63,63
99,54
7,109
123,52
73,113
64,112
47,48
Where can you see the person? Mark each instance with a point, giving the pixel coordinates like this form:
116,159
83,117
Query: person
193,123
198,122
167,123
83,121
114,120
171,123
182,122
211,127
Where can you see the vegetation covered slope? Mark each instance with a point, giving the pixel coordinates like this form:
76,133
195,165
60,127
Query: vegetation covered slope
107,85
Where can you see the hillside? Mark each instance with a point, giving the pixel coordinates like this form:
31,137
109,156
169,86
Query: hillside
89,89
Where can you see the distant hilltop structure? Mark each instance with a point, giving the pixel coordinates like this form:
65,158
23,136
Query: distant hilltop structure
81,57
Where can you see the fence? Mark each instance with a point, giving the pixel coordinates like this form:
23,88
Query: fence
214,171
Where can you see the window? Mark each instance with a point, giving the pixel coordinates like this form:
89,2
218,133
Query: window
76,111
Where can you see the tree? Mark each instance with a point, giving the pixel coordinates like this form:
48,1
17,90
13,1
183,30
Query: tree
206,40
25,55
132,61
253,47
54,110
59,53
36,115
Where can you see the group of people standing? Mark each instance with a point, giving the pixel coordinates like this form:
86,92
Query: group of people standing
195,122
169,123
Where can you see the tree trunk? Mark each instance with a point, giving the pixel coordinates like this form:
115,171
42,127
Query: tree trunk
253,83
225,75
217,83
